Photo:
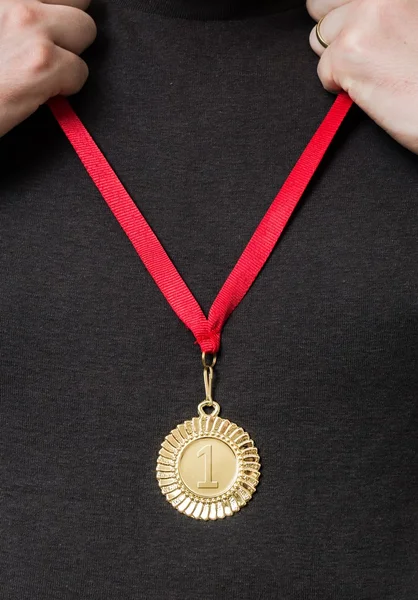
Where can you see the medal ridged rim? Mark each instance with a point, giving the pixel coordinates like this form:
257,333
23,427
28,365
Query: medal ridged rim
180,496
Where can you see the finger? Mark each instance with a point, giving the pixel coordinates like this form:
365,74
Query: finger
73,72
331,27
326,73
75,37
81,4
319,8
70,72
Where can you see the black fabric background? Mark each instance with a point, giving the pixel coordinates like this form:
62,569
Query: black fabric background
202,120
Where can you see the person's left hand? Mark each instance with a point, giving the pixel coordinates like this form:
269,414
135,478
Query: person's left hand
373,56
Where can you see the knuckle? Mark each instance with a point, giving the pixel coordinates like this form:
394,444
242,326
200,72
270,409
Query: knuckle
81,27
23,15
378,12
352,44
91,26
84,72
80,74
326,75
369,11
391,14
320,69
386,7
323,72
42,56
314,9
71,76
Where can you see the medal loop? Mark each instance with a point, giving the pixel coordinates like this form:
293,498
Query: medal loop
213,404
208,365
208,379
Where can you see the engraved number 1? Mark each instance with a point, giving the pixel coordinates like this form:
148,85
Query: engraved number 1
206,451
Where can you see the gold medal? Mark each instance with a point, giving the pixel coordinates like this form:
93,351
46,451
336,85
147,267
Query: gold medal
208,467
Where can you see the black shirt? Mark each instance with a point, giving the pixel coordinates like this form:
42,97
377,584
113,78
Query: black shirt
202,108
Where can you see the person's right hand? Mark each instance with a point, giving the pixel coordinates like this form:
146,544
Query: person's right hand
40,41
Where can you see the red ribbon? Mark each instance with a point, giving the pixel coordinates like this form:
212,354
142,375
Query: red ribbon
207,331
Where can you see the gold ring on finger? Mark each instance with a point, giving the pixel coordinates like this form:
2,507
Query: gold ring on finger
319,35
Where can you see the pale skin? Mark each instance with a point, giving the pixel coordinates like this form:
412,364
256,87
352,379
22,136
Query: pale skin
372,55
40,44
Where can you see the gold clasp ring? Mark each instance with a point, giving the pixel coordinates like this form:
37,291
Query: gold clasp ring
213,404
211,363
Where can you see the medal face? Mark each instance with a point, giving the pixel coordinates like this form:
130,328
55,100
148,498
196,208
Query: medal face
208,468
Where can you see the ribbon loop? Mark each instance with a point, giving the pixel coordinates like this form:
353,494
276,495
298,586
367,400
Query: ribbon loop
209,342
